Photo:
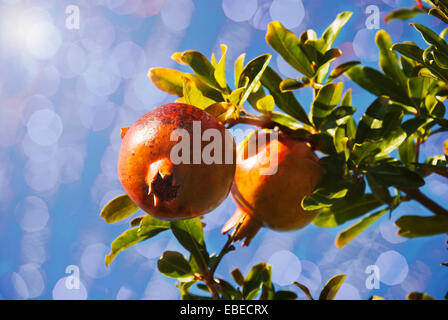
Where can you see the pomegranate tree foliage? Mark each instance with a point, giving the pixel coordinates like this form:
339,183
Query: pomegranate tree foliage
410,86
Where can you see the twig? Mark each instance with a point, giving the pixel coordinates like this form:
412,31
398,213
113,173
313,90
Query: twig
428,203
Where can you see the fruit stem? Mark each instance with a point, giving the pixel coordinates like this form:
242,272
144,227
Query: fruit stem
428,203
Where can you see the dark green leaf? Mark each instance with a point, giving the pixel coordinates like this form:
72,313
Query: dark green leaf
118,209
377,83
305,290
323,198
343,211
238,276
327,98
285,101
393,175
356,191
380,191
290,84
431,37
254,280
190,235
417,226
436,12
370,126
349,234
252,73
331,288
285,295
419,296
341,69
403,14
173,264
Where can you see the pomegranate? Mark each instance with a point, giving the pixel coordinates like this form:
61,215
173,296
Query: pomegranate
150,170
272,199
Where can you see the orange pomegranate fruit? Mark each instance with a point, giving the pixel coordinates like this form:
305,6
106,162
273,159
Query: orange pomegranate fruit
157,181
270,184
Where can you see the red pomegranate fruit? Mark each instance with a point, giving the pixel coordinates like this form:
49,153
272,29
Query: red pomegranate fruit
176,162
272,198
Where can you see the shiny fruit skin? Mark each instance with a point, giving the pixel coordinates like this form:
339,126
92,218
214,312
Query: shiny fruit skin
274,201
165,190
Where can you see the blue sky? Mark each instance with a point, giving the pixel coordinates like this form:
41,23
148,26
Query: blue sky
66,92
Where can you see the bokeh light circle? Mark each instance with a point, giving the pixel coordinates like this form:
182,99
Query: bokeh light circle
289,12
238,10
44,127
286,267
393,267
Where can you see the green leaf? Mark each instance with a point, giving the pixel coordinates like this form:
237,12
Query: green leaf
417,226
193,96
118,209
344,210
388,59
238,276
349,234
222,111
431,37
124,241
239,66
305,290
190,235
220,70
418,88
287,102
393,175
364,152
288,46
266,104
327,98
290,84
409,49
332,31
436,12
285,295
370,126
356,191
379,190
406,151
377,83
341,69
168,80
323,198
201,67
150,226
174,265
324,63
403,14
376,298
252,283
419,296
253,71
284,120
331,288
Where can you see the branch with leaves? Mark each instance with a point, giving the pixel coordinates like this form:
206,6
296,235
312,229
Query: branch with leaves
363,179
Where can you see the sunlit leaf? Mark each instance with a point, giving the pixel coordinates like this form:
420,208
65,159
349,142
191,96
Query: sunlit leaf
290,85
220,70
266,104
285,295
287,45
192,95
201,67
349,234
239,66
332,31
343,211
118,209
388,59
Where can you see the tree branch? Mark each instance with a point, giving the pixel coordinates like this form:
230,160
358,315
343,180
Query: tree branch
428,203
